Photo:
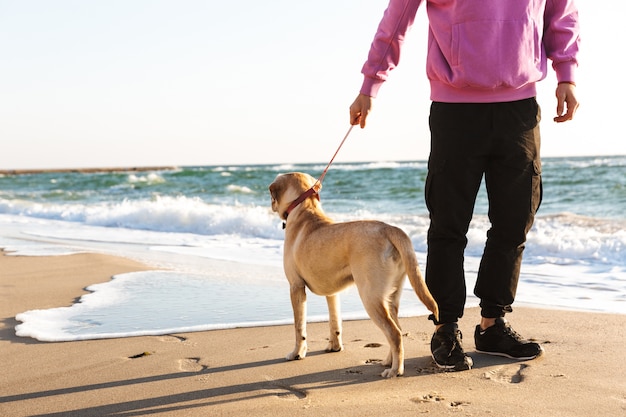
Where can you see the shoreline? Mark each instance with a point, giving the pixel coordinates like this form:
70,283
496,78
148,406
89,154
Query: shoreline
242,371
85,170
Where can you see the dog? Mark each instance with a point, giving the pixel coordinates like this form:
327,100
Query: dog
327,257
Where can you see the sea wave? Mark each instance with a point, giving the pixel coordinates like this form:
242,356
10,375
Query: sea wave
562,238
592,162
568,238
163,214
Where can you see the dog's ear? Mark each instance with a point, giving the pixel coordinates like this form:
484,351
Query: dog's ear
276,192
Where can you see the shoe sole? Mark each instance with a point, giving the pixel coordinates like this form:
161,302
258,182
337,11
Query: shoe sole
466,366
524,358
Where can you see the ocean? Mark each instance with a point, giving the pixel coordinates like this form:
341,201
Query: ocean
216,247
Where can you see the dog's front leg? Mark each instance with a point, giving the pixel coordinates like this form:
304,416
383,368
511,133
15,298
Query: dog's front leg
334,313
298,303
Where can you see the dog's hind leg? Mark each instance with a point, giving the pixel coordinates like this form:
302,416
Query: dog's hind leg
394,306
298,303
381,316
334,313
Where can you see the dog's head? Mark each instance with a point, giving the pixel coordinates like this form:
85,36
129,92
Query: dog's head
286,188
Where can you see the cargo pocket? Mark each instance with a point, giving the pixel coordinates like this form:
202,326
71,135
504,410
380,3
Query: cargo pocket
537,187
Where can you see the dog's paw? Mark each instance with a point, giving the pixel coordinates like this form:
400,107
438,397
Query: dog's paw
296,355
334,347
392,373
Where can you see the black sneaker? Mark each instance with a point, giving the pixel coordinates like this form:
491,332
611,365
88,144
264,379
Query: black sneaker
500,339
447,349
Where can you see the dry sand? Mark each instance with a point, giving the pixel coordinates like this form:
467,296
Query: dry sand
242,372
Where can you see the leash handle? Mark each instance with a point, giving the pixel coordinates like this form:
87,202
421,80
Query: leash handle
321,178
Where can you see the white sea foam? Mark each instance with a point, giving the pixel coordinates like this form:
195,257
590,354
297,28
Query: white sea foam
235,279
150,178
163,214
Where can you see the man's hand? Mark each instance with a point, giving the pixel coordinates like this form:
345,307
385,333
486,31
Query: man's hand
360,109
566,102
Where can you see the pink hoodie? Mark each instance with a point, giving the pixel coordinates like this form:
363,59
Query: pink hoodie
480,50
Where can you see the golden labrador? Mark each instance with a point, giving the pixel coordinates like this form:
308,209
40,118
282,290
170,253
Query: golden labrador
327,257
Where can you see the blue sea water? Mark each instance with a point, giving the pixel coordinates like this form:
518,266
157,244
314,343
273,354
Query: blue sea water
217,248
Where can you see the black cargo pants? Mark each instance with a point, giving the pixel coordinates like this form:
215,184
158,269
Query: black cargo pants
501,142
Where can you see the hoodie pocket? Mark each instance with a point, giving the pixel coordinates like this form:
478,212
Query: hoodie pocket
491,54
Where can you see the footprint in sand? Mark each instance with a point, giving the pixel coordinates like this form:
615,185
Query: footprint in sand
507,374
190,365
171,339
435,397
176,339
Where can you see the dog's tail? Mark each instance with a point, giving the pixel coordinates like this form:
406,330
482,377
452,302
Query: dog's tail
404,246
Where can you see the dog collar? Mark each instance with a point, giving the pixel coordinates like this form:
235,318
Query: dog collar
295,203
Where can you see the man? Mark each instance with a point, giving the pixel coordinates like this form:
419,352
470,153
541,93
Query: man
484,60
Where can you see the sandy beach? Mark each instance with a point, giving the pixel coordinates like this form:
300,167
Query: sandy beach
242,371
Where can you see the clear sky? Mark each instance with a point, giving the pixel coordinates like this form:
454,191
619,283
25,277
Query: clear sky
101,83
